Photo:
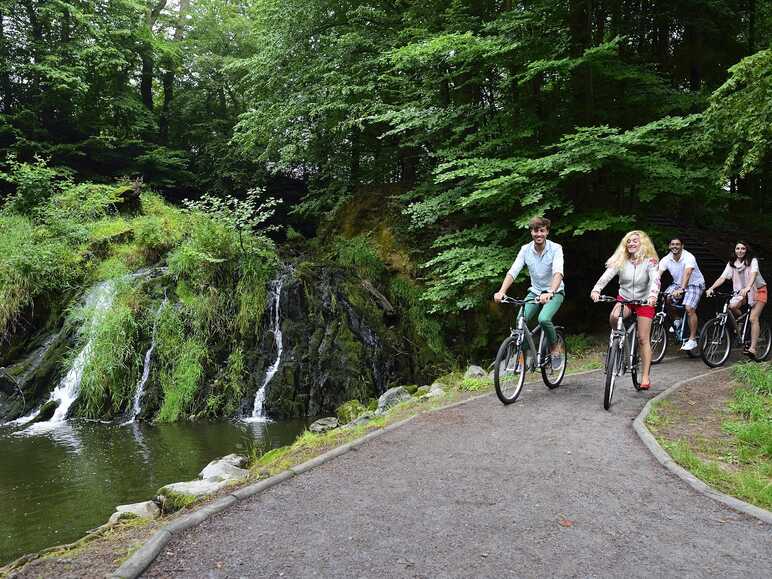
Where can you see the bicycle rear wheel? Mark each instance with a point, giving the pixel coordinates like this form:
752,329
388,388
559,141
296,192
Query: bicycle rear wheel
509,370
658,341
715,343
764,343
613,361
553,377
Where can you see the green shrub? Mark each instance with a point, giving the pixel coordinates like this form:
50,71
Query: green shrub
32,263
349,411
35,184
579,344
181,362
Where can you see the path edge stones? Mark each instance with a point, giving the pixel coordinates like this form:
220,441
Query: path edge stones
141,559
665,459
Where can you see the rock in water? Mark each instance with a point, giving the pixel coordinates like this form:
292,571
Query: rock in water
475,372
392,397
324,424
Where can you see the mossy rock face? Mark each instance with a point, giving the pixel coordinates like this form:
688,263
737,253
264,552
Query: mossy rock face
336,346
421,391
411,388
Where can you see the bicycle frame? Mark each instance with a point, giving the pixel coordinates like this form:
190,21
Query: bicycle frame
627,341
522,330
744,321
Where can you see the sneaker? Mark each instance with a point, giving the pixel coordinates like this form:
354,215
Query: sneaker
689,345
557,361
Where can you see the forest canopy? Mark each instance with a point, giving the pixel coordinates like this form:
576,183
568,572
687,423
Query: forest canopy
463,118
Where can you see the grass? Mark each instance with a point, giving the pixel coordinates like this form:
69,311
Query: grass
109,377
740,464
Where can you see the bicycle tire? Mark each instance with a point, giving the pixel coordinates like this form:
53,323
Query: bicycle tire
551,377
658,341
764,342
612,361
715,343
508,373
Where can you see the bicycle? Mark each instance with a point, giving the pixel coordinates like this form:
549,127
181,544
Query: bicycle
514,359
659,334
622,349
715,338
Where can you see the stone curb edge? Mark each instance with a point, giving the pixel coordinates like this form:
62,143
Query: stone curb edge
665,460
142,558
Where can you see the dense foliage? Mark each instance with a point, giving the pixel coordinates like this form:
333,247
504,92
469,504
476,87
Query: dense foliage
459,120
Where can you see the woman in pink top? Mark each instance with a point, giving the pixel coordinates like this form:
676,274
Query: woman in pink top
743,270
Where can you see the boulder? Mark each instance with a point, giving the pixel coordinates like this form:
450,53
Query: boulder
475,372
435,391
421,391
221,470
324,424
193,488
234,460
363,419
392,397
145,510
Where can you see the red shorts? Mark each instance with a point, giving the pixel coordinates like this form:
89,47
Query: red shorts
640,311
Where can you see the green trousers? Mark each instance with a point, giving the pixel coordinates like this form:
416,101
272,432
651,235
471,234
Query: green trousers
548,311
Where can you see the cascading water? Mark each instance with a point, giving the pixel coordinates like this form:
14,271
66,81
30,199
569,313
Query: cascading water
97,302
258,410
136,406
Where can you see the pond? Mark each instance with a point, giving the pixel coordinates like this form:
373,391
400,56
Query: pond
57,484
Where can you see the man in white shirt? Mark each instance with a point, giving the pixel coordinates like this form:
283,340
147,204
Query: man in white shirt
687,287
544,260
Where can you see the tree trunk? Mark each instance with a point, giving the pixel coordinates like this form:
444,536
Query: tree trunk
168,78
148,62
5,78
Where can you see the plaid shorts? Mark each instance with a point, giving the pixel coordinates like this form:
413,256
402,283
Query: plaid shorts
691,297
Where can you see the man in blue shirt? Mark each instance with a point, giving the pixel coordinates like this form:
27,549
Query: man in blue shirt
544,260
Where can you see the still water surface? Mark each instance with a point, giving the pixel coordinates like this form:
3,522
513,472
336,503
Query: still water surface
56,485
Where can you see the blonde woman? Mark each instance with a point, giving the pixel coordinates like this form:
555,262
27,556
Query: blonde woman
635,262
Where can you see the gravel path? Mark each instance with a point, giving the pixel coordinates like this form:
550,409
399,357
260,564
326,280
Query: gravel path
552,485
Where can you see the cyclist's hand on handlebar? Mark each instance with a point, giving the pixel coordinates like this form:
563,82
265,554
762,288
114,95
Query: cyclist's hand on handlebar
743,292
595,296
498,296
544,298
709,292
652,301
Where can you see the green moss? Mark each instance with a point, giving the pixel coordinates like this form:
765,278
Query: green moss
175,501
360,254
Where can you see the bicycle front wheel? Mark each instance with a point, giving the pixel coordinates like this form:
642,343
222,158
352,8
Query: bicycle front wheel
509,370
764,343
613,361
658,341
715,343
552,374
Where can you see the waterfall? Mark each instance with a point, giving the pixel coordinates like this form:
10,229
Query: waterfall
98,300
136,407
258,412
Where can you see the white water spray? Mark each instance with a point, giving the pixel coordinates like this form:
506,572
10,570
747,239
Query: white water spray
136,406
258,410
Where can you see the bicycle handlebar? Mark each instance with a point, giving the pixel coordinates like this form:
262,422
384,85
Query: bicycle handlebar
716,294
622,301
517,302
